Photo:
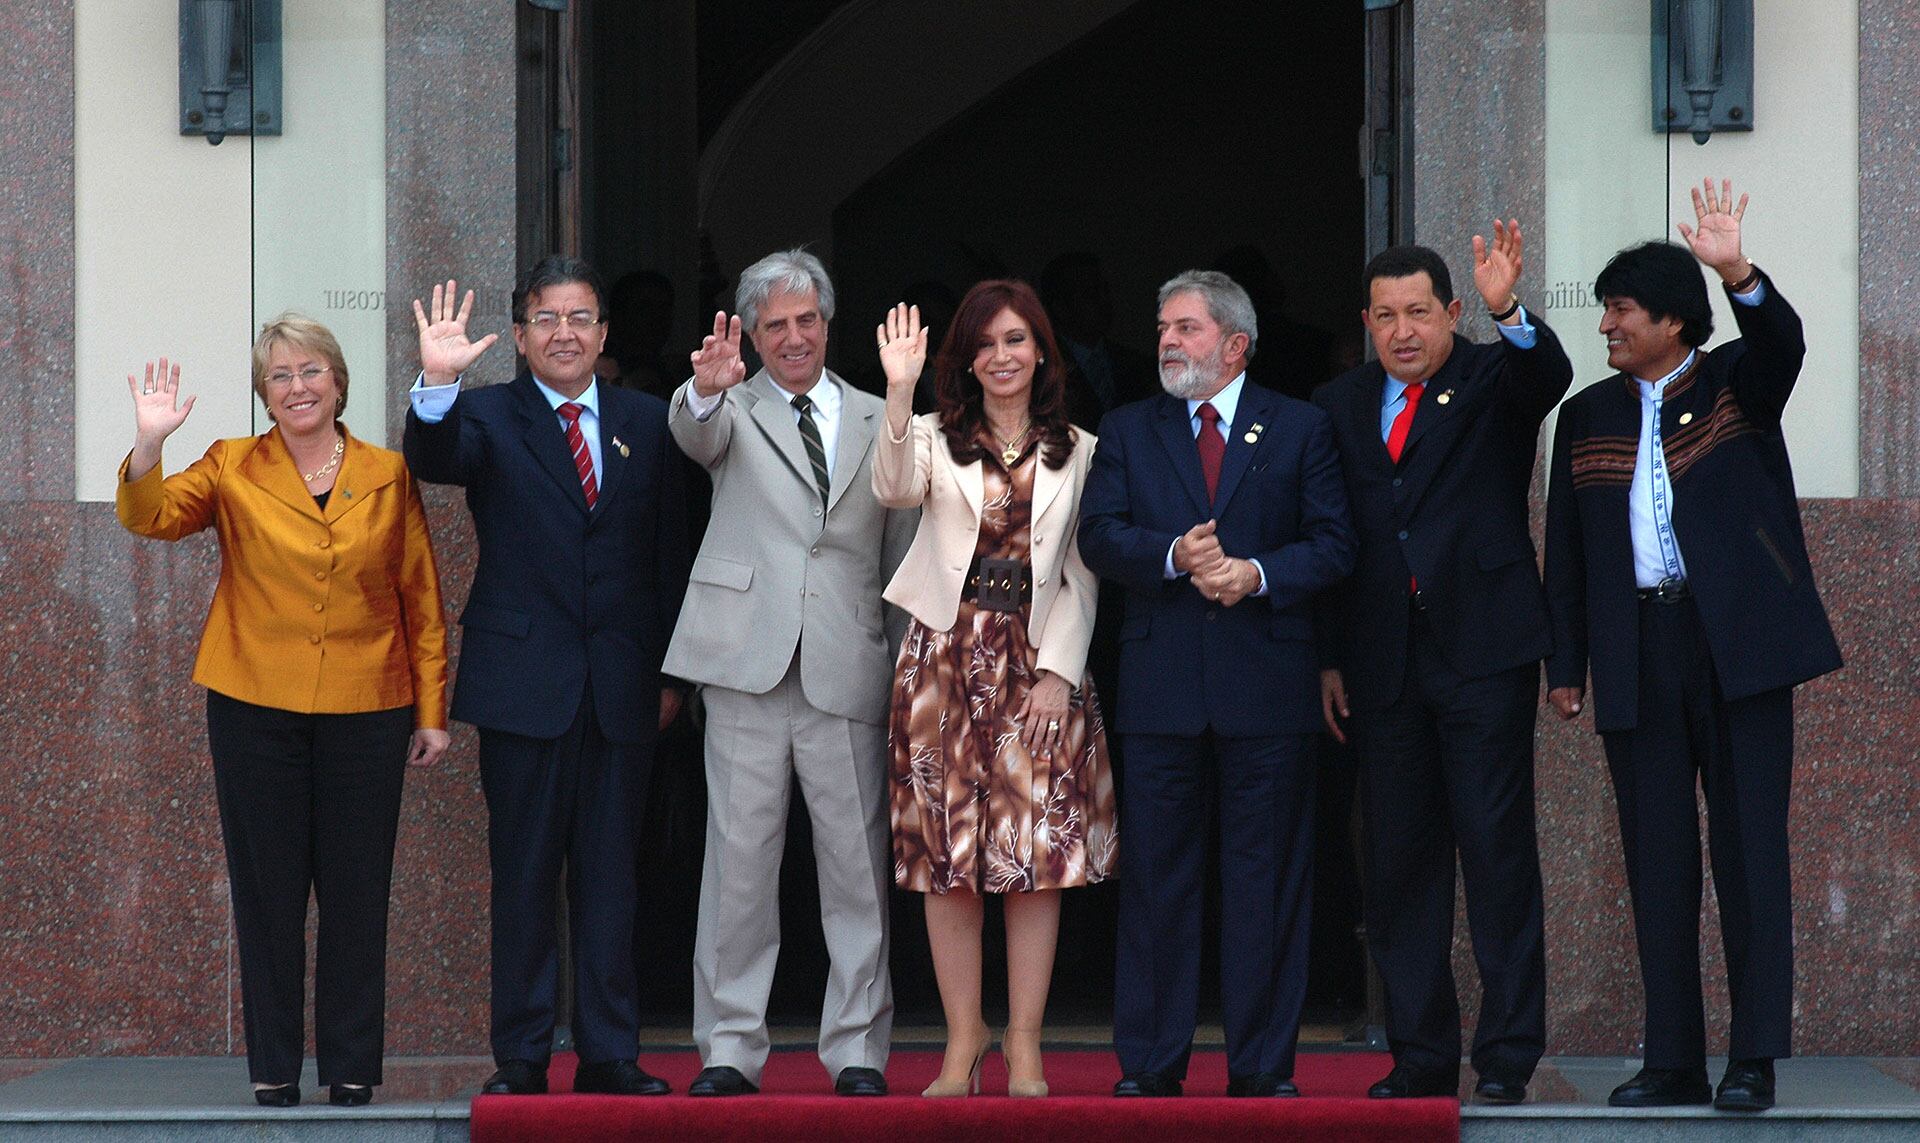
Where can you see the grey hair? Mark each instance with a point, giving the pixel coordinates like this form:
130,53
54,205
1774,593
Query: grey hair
1227,304
788,271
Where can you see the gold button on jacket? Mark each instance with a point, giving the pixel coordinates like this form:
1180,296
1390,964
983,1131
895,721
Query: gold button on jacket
318,611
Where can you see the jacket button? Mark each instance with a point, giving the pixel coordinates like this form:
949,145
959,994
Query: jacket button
816,513
1043,581
815,553
314,639
324,544
319,607
319,575
1397,482
1403,535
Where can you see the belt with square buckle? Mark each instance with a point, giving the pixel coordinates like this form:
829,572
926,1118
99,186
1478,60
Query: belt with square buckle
1667,591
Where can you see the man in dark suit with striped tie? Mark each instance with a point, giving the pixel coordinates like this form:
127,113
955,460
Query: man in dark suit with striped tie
576,494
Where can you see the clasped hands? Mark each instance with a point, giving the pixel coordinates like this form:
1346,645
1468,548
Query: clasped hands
1214,573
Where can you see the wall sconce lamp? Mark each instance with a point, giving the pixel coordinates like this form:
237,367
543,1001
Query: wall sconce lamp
229,68
1702,66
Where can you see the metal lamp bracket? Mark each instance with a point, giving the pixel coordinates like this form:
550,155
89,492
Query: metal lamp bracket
1702,66
229,68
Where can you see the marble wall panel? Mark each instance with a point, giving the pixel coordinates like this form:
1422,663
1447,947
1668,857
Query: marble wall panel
36,251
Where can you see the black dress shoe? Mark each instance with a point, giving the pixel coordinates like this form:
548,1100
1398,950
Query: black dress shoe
1262,1084
286,1095
617,1077
1494,1089
1747,1086
517,1077
349,1094
860,1081
1412,1083
1663,1087
722,1080
1148,1084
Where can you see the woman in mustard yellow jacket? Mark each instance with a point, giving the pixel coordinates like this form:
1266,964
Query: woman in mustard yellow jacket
325,662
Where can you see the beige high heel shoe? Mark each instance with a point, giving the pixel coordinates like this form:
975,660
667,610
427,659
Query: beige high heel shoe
1023,1088
948,1089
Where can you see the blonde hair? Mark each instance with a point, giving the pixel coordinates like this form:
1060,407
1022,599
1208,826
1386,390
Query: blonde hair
303,333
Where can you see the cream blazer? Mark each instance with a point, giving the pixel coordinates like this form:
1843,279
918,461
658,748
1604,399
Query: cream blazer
919,471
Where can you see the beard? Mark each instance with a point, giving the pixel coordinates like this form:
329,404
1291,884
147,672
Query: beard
1183,377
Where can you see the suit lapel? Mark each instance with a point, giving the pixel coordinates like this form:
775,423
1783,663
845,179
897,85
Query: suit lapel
1176,436
775,417
270,467
614,420
1047,482
856,437
1432,411
361,474
1255,409
541,432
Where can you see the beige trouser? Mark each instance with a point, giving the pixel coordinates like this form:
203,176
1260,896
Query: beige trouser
756,745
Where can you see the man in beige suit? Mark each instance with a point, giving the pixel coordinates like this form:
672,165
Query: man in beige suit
782,628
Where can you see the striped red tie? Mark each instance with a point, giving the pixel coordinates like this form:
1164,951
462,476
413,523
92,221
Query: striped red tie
577,444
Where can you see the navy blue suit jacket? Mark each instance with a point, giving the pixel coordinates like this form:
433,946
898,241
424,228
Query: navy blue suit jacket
1453,512
1735,515
1187,663
562,595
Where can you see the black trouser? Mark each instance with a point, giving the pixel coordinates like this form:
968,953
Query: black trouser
1741,752
576,801
310,800
1264,787
1449,765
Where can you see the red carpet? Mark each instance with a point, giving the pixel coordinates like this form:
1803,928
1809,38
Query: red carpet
797,1103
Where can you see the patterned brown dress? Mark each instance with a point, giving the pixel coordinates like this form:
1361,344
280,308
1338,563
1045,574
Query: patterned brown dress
971,807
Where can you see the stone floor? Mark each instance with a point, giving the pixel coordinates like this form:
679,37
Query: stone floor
110,1099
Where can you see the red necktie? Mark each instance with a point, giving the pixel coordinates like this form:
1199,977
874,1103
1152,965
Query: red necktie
1397,440
1213,447
1403,421
582,459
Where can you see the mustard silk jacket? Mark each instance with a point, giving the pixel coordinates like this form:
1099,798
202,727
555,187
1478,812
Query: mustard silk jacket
317,611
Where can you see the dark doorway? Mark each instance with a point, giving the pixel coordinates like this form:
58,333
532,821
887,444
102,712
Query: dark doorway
919,148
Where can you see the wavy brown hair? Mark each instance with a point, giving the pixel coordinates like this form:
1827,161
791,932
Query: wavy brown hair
957,393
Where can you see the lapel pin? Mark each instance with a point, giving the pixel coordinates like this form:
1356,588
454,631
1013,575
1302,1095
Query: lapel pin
621,445
1253,434
1445,397
1686,418
346,493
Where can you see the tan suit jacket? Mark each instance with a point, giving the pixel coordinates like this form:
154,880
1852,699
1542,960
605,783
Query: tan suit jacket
776,570
919,470
331,610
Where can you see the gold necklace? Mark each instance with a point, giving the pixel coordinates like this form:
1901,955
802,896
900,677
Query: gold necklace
1010,449
339,449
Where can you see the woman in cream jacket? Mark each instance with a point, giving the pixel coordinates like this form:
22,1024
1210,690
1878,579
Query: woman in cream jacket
1000,779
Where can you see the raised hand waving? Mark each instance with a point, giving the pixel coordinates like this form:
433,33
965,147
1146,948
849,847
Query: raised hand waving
717,364
445,349
1496,267
1715,237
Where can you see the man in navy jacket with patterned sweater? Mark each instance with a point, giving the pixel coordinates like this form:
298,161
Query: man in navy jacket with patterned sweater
1677,568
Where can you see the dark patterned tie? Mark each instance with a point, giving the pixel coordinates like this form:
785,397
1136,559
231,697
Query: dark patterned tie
577,444
1213,447
816,451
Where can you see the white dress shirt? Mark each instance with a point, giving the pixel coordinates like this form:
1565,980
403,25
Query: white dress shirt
827,401
1656,545
1225,403
431,403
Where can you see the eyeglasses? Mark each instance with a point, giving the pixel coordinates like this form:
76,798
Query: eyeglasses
546,321
307,376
